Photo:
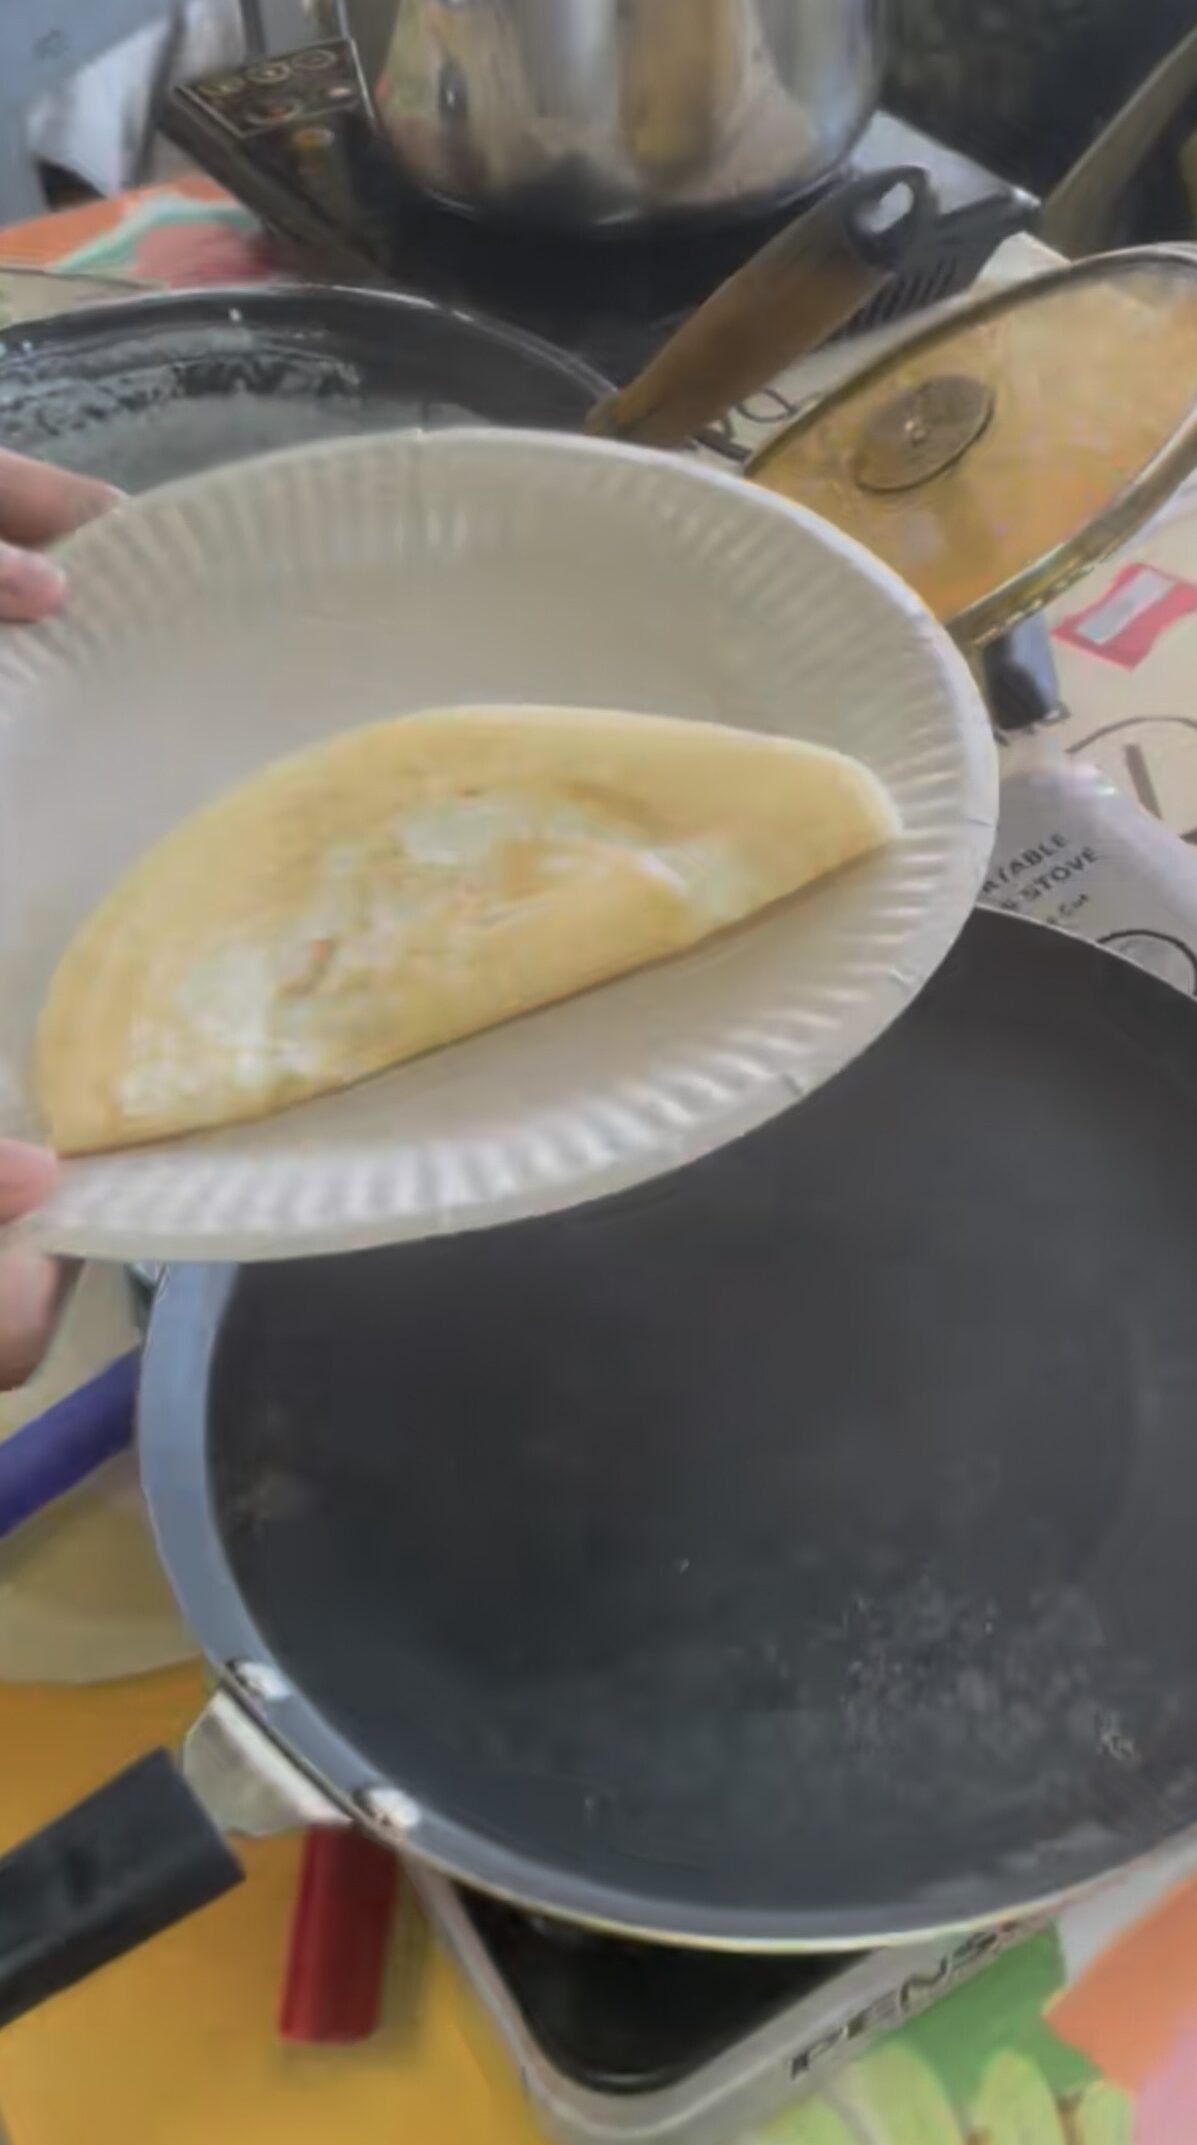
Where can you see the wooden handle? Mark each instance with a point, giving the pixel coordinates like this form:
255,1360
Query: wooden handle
807,282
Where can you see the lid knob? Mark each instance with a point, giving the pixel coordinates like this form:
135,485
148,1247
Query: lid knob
922,432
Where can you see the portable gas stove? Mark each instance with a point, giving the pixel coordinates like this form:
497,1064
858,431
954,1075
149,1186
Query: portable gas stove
615,2040
292,137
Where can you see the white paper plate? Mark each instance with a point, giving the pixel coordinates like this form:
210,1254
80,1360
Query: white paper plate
222,622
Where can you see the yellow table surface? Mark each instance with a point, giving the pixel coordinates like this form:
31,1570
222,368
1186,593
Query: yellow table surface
176,2045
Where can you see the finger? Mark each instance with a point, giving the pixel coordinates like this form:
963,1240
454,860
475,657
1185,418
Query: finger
39,503
28,1284
26,1177
28,1303
31,585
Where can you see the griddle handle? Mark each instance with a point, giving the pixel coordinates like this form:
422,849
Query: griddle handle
59,1449
811,279
135,1857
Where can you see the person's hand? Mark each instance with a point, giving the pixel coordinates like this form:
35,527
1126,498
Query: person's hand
28,1284
38,505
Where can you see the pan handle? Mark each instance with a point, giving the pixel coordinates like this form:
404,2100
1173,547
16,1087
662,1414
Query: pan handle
138,1855
801,288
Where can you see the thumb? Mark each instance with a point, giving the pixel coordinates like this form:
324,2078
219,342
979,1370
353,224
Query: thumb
26,1177
28,1301
28,1284
31,585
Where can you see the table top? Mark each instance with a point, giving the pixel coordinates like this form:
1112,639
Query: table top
176,2044
183,232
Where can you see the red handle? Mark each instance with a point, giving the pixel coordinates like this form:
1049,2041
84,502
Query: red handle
340,1937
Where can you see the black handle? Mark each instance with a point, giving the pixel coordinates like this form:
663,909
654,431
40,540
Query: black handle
888,215
138,1855
1018,672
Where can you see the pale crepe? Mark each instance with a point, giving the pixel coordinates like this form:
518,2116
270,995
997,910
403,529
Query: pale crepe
401,886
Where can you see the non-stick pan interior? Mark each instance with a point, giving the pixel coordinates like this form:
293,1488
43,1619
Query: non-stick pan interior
147,390
800,1551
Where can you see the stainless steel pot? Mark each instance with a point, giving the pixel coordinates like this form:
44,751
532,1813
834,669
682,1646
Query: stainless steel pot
589,114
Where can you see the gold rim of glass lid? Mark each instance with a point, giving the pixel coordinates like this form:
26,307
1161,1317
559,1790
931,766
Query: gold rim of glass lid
994,458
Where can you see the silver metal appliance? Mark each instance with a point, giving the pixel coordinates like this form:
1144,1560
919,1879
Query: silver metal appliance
584,114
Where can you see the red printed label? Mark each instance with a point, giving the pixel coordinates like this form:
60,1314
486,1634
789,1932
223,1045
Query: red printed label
1124,625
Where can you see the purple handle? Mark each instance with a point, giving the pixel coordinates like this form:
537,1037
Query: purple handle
52,1454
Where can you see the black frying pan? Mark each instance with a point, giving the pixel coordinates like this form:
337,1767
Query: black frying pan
797,1553
149,389
145,390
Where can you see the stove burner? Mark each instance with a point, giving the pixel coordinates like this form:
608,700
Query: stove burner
619,2017
638,2041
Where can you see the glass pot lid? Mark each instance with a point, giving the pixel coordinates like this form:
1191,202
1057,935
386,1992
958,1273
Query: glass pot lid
995,457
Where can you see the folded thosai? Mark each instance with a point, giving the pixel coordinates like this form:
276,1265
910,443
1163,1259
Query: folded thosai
398,887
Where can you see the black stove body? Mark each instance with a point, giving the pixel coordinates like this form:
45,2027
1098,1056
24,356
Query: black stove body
293,137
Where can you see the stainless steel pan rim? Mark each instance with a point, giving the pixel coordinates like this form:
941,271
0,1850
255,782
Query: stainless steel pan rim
183,1333
1144,1025
317,310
